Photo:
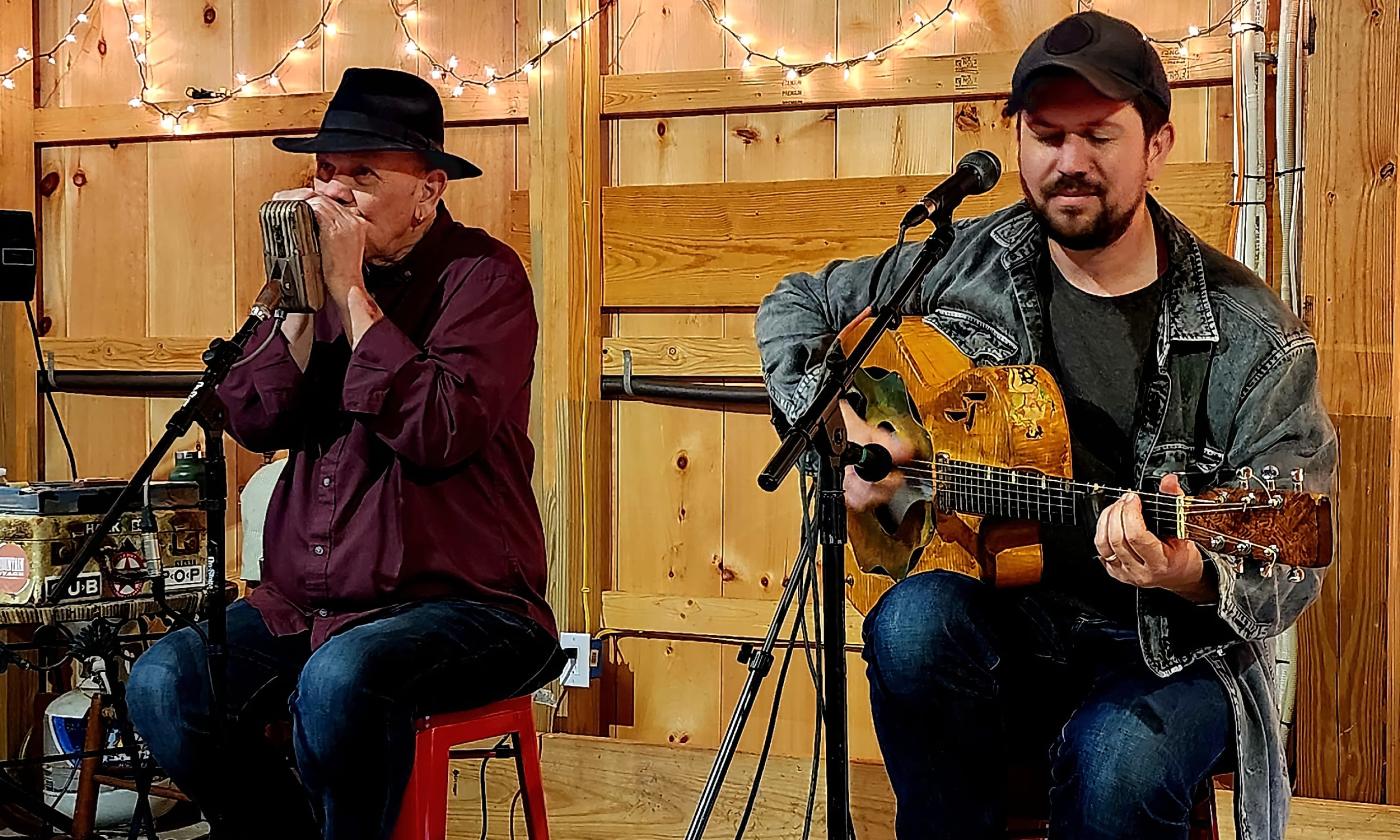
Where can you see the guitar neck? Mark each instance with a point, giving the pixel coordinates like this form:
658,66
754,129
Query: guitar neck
982,490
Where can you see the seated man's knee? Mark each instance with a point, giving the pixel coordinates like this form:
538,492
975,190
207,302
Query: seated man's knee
168,686
332,704
927,633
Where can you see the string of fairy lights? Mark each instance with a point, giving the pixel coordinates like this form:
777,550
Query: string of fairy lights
447,72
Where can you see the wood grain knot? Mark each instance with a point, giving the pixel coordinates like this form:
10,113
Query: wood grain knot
48,184
102,46
1388,171
748,135
726,574
79,178
763,581
210,14
682,461
967,117
660,128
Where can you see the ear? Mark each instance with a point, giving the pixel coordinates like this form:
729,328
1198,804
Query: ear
1158,148
433,186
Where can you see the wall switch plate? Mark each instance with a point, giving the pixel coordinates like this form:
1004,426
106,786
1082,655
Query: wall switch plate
576,671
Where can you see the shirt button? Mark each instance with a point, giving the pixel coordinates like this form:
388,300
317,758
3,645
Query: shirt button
323,612
326,482
320,549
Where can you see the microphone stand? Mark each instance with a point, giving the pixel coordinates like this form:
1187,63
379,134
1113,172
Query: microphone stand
203,407
822,430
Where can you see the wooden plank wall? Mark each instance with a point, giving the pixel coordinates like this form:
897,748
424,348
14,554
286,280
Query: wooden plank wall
159,240
693,531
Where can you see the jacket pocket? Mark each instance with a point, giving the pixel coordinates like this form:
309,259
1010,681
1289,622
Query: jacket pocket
977,339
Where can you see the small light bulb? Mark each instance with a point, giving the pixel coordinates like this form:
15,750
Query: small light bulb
846,74
7,83
134,102
189,109
746,41
457,91
81,18
246,89
138,18
22,54
168,121
330,29
748,63
547,35
241,78
491,89
489,71
141,58
1182,51
411,15
436,74
779,54
791,75
301,44
828,58
870,56
452,62
726,21
529,67
135,36
273,81
953,13
1195,31
918,19
574,35
410,48
71,38
53,60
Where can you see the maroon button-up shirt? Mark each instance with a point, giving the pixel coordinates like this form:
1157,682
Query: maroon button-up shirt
409,473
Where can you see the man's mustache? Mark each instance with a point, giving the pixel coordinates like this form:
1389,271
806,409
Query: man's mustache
1073,186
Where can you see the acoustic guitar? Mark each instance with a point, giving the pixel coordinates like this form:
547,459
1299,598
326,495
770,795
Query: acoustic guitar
992,463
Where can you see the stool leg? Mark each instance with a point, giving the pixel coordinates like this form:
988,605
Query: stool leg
433,792
527,763
411,809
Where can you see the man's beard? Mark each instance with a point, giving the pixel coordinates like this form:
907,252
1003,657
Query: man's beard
1088,231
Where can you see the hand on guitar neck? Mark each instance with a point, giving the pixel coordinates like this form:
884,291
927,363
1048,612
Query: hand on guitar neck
862,495
1134,555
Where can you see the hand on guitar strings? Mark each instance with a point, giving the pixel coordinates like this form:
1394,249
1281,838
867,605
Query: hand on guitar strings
1134,555
862,495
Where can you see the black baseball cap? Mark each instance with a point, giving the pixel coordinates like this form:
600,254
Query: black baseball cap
1108,53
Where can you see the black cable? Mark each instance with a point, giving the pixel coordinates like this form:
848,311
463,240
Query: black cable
513,801
53,406
484,816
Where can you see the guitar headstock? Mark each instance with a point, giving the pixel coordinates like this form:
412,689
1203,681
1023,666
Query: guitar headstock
1262,520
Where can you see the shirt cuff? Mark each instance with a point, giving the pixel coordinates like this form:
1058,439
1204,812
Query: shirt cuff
382,352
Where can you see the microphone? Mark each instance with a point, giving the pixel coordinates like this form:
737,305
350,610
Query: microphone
872,461
292,255
976,173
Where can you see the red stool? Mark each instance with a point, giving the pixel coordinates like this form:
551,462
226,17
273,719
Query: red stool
423,815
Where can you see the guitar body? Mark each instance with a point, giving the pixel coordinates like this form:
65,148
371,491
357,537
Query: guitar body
917,383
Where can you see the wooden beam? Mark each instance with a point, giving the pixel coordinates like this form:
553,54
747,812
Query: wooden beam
682,356
717,618
944,78
727,244
571,429
126,353
250,115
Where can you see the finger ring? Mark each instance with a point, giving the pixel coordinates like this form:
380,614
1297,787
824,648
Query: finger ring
1112,558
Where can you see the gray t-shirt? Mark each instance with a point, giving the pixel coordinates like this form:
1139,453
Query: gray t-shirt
1096,348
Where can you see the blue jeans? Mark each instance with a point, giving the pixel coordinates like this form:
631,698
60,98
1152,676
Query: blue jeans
967,680
351,706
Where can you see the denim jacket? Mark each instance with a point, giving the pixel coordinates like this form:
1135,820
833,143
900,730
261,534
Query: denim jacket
1233,384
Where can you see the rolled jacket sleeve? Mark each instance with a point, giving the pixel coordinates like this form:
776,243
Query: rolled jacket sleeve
262,395
437,404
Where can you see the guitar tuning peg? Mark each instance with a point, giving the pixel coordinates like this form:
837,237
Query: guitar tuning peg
1217,543
1243,475
1267,570
1296,475
1270,475
1238,566
1295,574
1243,549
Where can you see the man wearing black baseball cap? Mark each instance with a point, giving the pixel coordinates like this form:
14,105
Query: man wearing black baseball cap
1138,665
405,564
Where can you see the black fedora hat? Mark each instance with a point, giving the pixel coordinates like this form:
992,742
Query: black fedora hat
380,110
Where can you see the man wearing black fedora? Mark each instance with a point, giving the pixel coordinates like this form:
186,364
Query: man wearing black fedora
405,564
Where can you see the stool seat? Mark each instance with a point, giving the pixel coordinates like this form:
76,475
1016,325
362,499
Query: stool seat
423,814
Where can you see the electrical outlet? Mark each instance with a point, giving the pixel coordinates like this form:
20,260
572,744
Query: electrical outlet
576,671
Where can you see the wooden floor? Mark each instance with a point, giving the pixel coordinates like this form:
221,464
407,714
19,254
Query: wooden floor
605,789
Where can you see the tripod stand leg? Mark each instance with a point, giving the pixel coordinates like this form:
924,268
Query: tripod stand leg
760,661
832,527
